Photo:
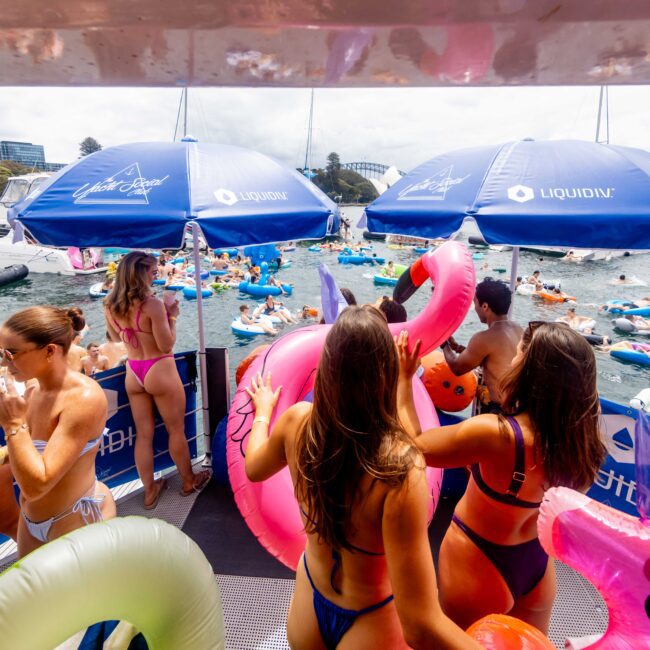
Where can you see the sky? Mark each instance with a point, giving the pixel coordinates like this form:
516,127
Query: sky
393,126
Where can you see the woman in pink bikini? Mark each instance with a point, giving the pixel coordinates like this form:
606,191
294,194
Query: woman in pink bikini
148,328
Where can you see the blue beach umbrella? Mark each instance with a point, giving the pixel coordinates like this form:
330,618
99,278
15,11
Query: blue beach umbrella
143,195
565,193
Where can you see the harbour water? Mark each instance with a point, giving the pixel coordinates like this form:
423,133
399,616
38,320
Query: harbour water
588,282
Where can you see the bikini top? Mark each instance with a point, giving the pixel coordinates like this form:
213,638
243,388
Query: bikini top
89,446
128,334
336,556
518,476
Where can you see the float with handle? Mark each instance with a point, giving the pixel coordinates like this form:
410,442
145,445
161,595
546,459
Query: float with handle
270,508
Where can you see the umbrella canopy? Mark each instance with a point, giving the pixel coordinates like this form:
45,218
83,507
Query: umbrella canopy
143,195
556,193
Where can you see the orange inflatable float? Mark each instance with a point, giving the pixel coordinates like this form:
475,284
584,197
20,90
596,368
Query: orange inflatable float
447,392
246,362
553,297
500,632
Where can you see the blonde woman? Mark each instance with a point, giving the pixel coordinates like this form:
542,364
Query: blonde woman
147,326
54,431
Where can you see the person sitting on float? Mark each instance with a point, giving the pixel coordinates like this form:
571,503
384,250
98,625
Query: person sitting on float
247,319
147,326
220,263
534,280
107,285
272,281
491,560
366,579
389,270
54,430
272,308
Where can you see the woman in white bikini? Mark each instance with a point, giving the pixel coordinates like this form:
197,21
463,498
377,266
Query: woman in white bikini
54,431
148,328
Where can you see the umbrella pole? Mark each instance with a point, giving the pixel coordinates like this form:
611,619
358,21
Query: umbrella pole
203,372
513,275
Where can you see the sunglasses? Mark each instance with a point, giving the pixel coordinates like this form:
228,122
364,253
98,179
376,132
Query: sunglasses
10,355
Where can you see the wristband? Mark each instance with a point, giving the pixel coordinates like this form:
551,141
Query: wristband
444,344
262,418
13,432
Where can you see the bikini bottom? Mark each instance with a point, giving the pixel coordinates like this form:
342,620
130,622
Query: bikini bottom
140,367
522,566
87,506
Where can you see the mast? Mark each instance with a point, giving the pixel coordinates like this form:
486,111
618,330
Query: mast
603,101
185,113
307,165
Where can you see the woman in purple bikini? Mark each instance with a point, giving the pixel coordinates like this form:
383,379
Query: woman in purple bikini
491,560
148,328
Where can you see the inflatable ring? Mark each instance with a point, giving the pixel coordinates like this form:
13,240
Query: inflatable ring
610,549
270,508
144,571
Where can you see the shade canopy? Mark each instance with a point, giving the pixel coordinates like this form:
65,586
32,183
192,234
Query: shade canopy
143,195
565,193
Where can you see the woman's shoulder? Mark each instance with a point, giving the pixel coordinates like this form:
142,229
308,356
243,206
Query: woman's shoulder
83,390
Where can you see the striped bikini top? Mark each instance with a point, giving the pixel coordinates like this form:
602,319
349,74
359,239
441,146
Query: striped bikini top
89,446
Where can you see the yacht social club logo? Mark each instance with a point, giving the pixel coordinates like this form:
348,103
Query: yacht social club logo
228,197
434,188
126,186
523,193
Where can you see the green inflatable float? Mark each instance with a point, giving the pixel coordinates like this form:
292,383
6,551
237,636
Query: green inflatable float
133,569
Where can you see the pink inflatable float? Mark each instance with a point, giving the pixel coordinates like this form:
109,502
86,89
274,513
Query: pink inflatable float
270,508
610,549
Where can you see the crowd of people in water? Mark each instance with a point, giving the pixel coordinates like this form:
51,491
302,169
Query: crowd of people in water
357,455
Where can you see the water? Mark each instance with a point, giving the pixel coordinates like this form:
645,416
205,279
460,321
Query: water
588,282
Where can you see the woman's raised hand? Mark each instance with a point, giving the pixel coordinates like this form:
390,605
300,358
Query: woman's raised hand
408,361
262,394
173,309
13,407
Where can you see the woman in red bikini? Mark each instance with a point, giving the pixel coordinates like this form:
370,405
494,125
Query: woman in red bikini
148,328
491,560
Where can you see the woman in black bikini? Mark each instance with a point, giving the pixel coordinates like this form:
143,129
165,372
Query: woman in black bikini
491,560
366,579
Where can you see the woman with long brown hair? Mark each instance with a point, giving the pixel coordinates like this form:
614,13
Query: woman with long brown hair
491,559
366,579
54,431
147,326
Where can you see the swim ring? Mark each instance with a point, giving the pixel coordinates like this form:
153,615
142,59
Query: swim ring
346,258
269,508
625,325
314,249
264,289
637,311
250,330
610,549
159,281
553,297
230,252
636,355
95,291
190,292
420,250
581,327
176,287
107,571
218,271
526,289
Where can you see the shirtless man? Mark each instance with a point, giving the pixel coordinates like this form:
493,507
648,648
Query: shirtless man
115,351
492,349
76,353
94,362
534,279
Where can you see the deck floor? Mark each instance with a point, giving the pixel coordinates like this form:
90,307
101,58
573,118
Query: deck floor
256,589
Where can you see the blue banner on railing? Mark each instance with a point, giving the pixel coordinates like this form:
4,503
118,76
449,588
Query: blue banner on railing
115,462
615,484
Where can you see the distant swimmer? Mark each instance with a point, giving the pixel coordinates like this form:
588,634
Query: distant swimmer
578,323
623,279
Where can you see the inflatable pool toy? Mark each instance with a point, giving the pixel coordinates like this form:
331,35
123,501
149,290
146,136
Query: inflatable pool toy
637,311
246,362
230,252
420,250
447,391
314,249
176,287
263,290
635,355
178,260
616,306
500,269
526,289
384,280
628,326
107,571
589,324
346,258
190,292
159,281
269,508
288,249
95,291
609,548
218,271
478,256
553,297
501,632
285,265
250,330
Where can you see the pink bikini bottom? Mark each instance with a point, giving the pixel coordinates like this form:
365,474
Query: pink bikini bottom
140,367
